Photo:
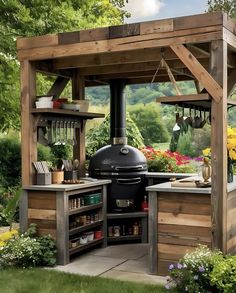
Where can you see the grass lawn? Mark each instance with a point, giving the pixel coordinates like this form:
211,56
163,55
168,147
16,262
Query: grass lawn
162,146
45,281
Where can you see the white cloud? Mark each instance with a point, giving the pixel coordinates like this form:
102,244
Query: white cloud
143,9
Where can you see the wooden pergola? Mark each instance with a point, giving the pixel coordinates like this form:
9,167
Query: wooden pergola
201,48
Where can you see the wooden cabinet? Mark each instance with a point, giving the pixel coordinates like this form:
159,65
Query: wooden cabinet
67,212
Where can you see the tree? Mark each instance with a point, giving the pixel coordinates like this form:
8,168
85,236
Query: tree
98,137
148,120
31,18
228,6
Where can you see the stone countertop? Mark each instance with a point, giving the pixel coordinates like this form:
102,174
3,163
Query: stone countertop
166,187
68,187
169,175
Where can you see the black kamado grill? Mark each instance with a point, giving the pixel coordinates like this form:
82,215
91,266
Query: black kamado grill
124,165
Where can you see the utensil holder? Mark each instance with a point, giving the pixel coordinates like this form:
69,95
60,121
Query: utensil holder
44,179
57,177
71,175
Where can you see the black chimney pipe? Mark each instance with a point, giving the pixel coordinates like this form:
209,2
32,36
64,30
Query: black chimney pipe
117,112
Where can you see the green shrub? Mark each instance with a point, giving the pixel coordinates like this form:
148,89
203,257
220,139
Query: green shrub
28,250
99,136
223,275
10,162
204,270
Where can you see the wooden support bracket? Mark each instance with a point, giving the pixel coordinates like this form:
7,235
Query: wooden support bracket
201,74
58,86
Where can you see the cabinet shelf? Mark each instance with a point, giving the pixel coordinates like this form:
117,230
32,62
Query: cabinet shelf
85,208
85,246
68,113
127,215
85,227
124,238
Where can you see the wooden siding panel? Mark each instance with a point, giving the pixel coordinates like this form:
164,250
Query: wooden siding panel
156,26
94,34
184,230
200,20
184,219
41,214
40,200
173,252
122,31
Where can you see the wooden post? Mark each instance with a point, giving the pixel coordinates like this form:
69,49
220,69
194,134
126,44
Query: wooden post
28,127
78,92
218,146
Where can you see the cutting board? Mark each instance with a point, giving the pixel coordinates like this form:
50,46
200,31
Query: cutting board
184,183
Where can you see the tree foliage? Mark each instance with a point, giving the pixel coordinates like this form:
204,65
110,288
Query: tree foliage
31,18
148,120
228,6
99,136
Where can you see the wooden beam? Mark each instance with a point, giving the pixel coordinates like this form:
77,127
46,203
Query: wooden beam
46,67
218,147
229,38
58,87
118,58
28,128
78,92
136,67
201,74
197,35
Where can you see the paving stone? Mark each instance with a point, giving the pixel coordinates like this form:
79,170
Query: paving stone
90,265
127,251
134,277
135,266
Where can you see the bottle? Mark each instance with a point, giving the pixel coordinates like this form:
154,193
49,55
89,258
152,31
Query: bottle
135,229
144,205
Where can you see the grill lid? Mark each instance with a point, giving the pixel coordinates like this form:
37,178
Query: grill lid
118,158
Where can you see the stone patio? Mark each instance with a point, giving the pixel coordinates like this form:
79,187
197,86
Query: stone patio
128,262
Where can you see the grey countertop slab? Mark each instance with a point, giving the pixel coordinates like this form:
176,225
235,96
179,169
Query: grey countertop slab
169,175
166,187
67,187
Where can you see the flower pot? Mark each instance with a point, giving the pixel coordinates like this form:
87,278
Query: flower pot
57,177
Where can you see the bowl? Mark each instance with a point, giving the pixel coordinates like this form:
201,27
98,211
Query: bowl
44,98
44,104
84,104
70,106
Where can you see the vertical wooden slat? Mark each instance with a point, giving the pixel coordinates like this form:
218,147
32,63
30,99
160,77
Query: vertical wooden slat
62,238
218,146
28,128
104,214
23,211
152,229
78,92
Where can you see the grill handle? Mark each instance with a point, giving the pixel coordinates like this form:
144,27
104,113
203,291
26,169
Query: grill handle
128,181
129,168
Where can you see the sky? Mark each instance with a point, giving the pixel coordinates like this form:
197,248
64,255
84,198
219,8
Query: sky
143,10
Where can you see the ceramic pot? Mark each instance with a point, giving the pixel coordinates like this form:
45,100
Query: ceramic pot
57,177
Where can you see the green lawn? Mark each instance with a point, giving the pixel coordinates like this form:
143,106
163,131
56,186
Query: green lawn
45,281
163,146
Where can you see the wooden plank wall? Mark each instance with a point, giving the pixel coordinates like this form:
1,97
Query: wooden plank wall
231,222
42,211
183,222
